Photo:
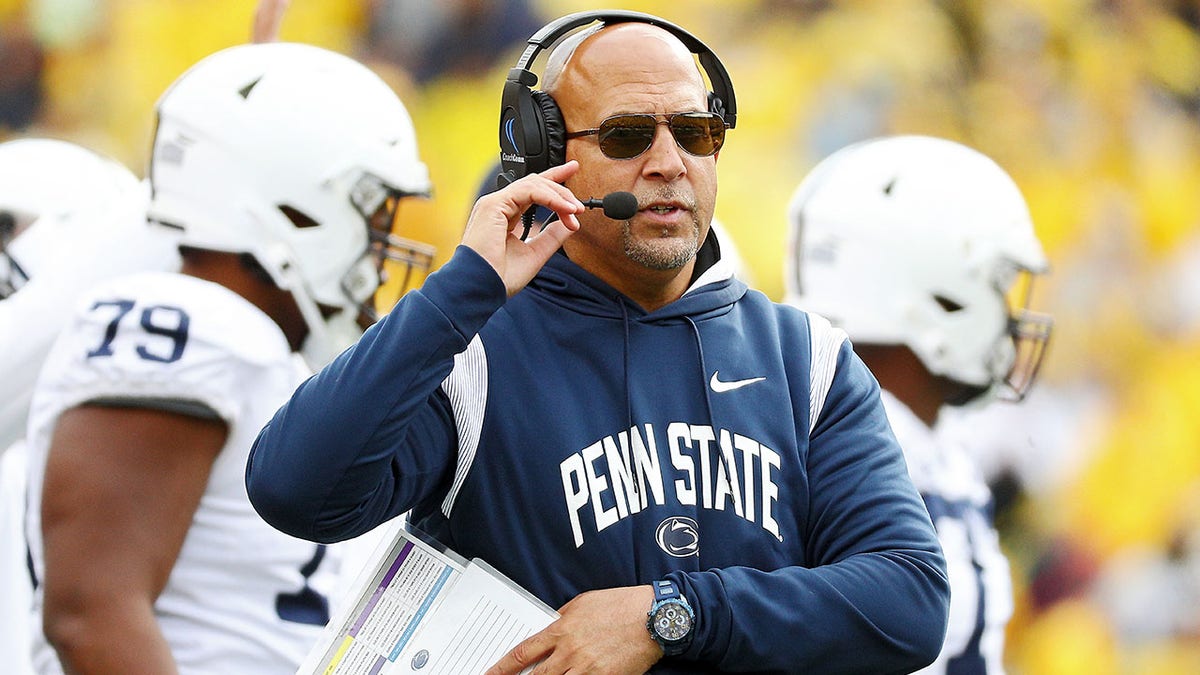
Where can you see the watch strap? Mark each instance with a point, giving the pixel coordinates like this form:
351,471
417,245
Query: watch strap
664,589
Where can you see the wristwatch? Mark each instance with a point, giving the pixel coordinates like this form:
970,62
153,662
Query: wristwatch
671,620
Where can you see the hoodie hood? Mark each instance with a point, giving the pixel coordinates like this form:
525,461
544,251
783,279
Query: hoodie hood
713,289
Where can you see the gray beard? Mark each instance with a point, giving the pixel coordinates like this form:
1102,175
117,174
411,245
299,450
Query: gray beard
663,253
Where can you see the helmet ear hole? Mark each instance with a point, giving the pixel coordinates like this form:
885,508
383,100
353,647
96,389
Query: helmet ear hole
244,92
298,218
947,305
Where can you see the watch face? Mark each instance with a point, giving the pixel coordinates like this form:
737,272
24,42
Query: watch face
672,622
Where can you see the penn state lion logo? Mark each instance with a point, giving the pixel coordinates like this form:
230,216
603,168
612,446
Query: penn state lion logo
678,536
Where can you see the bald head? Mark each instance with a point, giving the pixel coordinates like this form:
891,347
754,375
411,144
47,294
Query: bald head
633,55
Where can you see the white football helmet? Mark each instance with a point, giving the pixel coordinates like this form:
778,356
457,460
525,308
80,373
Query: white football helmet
55,195
297,156
922,242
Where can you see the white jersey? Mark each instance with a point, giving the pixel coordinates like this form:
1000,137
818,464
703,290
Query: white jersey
242,596
960,505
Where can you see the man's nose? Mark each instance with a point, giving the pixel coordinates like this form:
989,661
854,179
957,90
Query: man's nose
664,157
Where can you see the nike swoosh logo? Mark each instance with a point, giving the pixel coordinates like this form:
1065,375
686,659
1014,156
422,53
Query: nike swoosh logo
721,387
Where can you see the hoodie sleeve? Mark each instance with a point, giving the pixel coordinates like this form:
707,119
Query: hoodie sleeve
371,434
875,598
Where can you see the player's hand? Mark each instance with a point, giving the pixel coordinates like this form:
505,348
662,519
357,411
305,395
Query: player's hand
267,17
598,632
494,228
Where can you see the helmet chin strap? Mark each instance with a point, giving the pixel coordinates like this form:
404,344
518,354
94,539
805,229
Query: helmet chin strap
970,395
276,259
330,336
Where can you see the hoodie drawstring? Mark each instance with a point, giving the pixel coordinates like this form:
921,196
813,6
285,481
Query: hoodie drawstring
708,398
637,487
625,373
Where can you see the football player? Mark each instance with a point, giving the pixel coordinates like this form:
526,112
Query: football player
69,217
282,166
924,252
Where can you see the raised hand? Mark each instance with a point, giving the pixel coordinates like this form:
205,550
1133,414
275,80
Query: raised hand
494,227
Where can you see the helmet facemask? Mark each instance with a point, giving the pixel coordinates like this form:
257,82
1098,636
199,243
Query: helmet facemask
353,302
1029,332
401,264
12,275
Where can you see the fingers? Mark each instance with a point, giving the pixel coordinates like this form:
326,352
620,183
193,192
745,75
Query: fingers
496,216
494,226
552,236
526,653
268,15
546,189
507,205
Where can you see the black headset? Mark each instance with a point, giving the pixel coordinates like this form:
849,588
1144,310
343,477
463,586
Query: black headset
532,131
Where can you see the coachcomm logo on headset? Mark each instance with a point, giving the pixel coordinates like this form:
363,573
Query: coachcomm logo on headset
678,536
512,142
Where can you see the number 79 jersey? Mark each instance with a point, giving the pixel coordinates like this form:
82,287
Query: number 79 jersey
242,596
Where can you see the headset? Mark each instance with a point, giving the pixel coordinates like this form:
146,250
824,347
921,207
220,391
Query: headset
532,131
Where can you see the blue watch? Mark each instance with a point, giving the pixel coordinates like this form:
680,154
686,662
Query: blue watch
671,620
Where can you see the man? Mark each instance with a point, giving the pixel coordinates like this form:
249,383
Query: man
147,554
617,421
923,251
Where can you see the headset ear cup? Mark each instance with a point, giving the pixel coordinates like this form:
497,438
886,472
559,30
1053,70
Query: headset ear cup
556,129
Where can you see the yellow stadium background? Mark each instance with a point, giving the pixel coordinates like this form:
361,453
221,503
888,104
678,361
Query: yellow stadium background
1094,109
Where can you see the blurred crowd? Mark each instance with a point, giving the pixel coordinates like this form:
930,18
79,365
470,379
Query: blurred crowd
1092,106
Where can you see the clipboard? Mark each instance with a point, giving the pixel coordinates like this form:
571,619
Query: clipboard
419,608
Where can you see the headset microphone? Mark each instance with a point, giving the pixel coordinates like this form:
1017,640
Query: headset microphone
616,205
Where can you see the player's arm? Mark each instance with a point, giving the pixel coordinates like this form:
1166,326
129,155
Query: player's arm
120,490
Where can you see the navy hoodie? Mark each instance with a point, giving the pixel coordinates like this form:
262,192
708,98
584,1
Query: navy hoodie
575,441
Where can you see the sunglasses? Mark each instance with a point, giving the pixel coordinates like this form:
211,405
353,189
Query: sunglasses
627,136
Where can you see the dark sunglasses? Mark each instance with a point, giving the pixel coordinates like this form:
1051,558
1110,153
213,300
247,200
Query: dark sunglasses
627,136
